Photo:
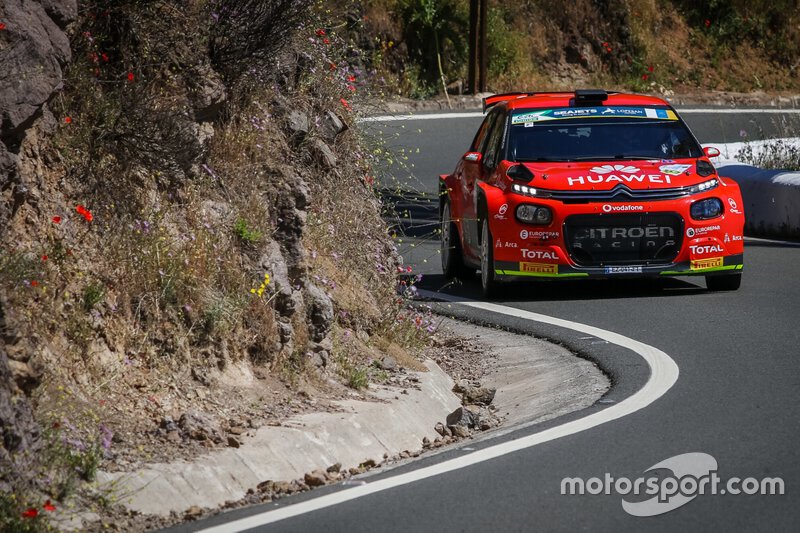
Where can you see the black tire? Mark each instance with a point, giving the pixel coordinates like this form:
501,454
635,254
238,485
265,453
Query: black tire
728,282
488,282
452,256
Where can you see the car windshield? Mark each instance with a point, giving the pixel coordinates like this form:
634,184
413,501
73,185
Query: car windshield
599,134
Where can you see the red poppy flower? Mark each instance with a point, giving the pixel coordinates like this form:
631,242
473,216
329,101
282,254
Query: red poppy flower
104,56
67,120
332,66
650,68
644,77
56,220
44,258
351,78
34,283
131,77
49,507
2,26
707,23
30,513
85,213
320,32
344,103
326,40
351,87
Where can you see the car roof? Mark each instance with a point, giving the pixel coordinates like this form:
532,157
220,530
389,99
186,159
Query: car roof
567,99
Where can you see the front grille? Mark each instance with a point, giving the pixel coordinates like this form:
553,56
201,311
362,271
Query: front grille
620,239
620,193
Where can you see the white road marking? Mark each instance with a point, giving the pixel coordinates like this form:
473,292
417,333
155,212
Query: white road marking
739,111
663,374
432,116
772,241
476,114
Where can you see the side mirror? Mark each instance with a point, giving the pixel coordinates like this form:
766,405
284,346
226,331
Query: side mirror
473,157
710,151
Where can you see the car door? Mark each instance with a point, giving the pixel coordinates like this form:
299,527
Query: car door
474,171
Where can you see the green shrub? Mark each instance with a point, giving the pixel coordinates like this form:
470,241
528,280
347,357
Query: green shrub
245,233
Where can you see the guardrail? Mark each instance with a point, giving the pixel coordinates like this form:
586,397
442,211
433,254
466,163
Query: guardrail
771,197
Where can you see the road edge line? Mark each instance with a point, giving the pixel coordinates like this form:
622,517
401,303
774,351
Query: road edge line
663,375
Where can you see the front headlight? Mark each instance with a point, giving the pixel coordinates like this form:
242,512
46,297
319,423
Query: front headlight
534,214
706,209
527,190
703,187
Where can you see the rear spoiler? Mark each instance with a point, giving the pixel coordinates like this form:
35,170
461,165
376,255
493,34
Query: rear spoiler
583,97
489,101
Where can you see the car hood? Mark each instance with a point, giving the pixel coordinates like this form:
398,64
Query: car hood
604,176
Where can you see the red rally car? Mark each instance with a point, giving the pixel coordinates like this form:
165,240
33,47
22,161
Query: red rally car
589,184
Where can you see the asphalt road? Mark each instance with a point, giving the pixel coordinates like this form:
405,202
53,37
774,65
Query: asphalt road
736,397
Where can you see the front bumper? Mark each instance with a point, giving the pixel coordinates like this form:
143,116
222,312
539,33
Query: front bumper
718,265
710,247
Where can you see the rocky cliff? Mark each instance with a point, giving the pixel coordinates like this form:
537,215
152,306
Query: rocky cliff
187,225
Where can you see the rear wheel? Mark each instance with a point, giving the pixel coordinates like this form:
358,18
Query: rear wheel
728,282
488,282
452,258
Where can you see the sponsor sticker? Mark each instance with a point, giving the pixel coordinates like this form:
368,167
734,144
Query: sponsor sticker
529,118
704,249
702,264
593,112
674,170
541,235
734,206
633,269
618,174
605,169
539,253
539,268
691,232
501,212
607,208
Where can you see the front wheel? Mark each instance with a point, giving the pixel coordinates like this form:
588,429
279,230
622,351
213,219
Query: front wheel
488,282
452,257
729,282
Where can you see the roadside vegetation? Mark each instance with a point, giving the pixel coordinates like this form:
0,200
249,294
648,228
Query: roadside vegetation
204,208
659,46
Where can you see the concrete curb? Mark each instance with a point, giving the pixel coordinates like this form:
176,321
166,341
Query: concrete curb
535,381
363,430
771,197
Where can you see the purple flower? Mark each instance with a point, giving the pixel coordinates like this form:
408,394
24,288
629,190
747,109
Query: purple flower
105,437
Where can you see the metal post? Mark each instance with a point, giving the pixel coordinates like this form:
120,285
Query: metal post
472,82
484,45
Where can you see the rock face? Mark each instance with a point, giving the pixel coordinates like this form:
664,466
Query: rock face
33,52
18,431
320,312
